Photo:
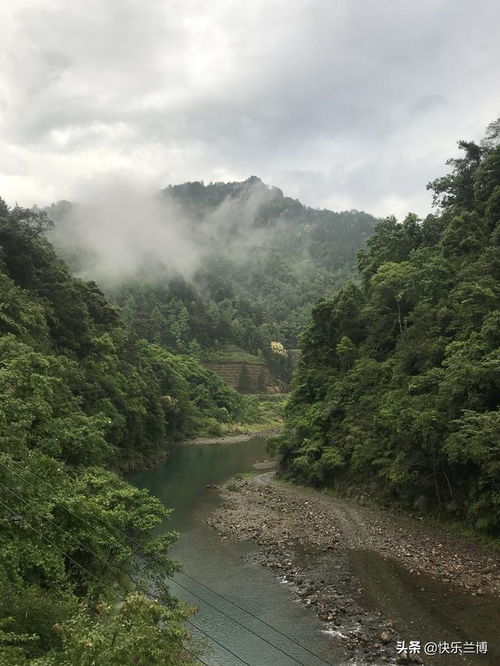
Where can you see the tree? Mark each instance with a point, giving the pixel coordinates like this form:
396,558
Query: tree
456,189
392,286
80,393
244,381
30,222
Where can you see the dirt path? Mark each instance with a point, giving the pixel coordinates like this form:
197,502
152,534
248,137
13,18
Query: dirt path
371,575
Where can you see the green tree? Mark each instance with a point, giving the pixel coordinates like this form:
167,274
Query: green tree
397,392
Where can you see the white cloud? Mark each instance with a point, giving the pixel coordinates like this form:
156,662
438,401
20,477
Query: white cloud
348,104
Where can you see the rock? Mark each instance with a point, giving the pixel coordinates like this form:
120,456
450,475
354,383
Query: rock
286,527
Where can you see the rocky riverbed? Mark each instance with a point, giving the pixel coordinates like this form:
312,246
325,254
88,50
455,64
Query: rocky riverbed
316,543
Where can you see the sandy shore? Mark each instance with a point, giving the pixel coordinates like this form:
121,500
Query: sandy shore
319,545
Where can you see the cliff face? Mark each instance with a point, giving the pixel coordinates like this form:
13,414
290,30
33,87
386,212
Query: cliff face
245,377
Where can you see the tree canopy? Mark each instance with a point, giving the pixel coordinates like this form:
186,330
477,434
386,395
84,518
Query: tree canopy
397,394
82,395
263,259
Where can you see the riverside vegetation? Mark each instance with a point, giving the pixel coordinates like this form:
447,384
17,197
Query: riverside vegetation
81,394
397,393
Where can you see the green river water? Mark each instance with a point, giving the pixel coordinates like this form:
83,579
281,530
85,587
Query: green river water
180,483
423,607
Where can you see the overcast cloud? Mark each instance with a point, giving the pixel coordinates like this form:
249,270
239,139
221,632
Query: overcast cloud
341,103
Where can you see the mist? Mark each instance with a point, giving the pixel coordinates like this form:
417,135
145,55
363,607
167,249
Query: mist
119,230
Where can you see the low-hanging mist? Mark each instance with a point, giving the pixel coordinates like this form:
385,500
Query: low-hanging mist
121,230
200,267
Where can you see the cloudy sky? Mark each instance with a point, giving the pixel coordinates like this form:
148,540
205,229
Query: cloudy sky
341,103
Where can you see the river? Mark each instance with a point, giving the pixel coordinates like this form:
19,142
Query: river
236,636
247,616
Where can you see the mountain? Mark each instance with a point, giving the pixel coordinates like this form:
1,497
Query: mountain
213,269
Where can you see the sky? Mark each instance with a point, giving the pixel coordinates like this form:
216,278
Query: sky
341,103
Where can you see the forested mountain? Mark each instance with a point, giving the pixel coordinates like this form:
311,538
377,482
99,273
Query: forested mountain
397,395
81,394
247,266
86,390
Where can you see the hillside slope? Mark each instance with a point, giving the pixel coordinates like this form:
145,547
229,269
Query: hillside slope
398,390
80,394
246,266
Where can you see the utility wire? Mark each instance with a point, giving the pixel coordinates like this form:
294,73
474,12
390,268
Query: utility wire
262,638
61,529
64,506
256,617
113,592
120,571
80,566
224,647
135,542
195,656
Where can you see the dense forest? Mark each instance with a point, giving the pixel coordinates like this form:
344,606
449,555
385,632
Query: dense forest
260,260
82,395
395,397
397,394
90,390
249,355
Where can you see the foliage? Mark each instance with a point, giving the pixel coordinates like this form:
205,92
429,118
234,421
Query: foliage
398,387
259,413
81,394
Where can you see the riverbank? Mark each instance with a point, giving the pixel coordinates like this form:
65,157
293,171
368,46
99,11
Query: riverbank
323,545
231,439
186,484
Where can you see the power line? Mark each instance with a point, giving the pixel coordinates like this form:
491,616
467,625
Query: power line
256,617
262,638
120,570
113,592
195,656
102,520
61,529
135,542
224,647
80,566
70,511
